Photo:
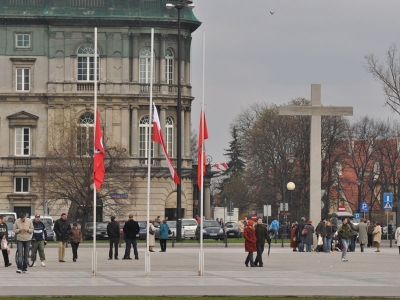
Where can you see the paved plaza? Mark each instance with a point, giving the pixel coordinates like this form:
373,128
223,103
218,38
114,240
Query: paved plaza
175,272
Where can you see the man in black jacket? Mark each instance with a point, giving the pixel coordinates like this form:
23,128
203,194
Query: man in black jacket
62,228
261,235
131,229
39,238
113,235
4,235
302,223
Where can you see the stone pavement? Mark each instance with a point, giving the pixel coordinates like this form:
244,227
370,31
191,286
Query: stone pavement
175,273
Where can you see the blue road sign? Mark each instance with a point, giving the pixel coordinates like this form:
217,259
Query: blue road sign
364,207
387,201
357,216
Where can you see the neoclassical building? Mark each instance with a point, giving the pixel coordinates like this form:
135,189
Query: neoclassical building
47,62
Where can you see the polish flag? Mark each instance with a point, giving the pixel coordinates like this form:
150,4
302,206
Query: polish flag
201,154
217,166
158,137
98,167
225,165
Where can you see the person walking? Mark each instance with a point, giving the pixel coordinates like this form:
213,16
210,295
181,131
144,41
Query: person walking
113,235
250,243
308,237
344,232
370,229
164,229
302,223
62,228
23,227
75,238
274,227
4,236
39,240
397,237
262,234
293,237
131,229
377,235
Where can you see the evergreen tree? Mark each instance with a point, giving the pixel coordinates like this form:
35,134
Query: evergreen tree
235,153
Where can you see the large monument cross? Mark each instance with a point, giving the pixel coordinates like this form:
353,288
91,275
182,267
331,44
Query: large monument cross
316,110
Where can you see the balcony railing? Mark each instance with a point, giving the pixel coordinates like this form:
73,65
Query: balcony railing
22,162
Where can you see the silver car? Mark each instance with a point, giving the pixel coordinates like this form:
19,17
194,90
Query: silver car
189,228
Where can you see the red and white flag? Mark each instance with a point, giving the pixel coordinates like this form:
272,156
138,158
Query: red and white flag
201,154
158,137
217,166
98,167
225,165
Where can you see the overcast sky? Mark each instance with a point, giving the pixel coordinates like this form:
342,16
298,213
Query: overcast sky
253,56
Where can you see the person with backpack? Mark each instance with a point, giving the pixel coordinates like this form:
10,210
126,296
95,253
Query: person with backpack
39,238
4,236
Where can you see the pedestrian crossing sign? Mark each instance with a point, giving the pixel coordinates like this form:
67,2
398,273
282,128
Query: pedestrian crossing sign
387,201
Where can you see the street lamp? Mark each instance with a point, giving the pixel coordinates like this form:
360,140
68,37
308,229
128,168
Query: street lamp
179,5
290,187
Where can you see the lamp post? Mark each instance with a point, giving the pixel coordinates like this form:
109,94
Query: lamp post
285,171
179,5
290,187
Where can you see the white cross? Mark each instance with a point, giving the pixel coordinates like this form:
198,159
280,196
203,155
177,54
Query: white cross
316,110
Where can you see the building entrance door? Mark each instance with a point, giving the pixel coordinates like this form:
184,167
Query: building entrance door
20,209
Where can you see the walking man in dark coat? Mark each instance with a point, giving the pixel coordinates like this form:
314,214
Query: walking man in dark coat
131,229
261,234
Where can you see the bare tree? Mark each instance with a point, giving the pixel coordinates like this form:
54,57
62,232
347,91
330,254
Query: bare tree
66,174
388,75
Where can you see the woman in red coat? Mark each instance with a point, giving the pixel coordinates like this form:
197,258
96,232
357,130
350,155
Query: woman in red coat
293,237
249,243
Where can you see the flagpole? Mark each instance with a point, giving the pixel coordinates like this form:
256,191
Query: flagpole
94,253
201,165
147,255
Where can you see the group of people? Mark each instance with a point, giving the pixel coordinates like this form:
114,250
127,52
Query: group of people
34,233
302,235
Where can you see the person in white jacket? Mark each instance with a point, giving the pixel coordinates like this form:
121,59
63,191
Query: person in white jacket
397,237
23,227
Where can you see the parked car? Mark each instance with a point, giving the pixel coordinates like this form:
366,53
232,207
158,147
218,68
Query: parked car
143,230
88,235
101,231
11,233
211,230
172,227
232,229
189,228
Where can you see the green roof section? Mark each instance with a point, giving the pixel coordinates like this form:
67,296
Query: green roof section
132,11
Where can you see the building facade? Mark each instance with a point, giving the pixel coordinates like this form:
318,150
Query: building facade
47,61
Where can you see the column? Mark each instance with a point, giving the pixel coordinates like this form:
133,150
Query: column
207,199
183,132
68,60
125,57
134,131
162,123
109,123
135,61
110,56
183,58
187,59
163,38
187,128
125,126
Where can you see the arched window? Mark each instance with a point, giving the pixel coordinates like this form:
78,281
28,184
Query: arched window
86,54
144,136
144,65
85,134
169,66
169,139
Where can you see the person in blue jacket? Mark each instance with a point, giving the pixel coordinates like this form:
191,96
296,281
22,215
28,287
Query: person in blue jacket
164,236
274,227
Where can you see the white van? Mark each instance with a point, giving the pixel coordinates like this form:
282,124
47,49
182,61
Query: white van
10,216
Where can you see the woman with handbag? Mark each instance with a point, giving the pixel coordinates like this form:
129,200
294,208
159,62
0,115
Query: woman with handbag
250,241
152,238
377,234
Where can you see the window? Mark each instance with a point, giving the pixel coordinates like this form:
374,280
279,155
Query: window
169,126
22,141
144,65
86,55
169,66
23,40
144,136
23,75
85,134
21,184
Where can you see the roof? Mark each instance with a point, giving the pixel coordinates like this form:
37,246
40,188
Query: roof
132,12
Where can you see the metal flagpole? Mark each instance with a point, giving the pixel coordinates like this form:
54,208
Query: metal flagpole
201,165
147,256
94,253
